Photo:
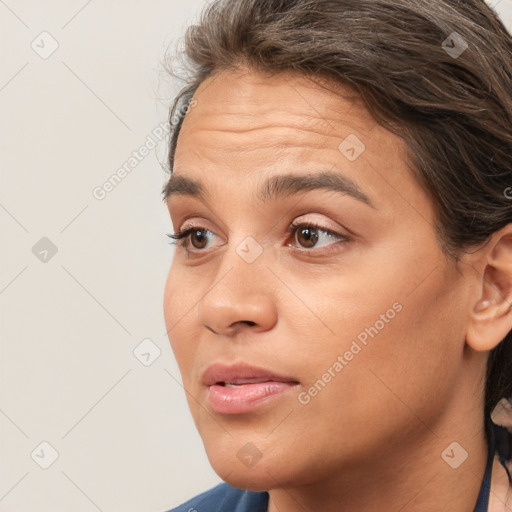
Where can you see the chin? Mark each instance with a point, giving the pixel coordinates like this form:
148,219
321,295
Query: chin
248,479
256,475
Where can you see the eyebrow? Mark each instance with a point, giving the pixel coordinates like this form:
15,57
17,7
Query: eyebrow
275,187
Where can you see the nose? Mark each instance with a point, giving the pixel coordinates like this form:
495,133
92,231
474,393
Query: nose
240,298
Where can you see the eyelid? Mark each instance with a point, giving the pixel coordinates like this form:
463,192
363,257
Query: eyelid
188,226
324,250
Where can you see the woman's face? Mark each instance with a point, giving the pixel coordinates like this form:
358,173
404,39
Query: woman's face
355,321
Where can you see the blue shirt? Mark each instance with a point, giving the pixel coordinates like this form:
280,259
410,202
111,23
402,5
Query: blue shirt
225,498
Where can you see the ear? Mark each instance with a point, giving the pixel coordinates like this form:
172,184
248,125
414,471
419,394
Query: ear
490,319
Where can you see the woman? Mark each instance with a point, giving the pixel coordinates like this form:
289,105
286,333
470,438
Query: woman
340,298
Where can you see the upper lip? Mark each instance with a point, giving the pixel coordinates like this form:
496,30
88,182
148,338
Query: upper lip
241,373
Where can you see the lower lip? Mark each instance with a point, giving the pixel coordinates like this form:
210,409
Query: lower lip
245,398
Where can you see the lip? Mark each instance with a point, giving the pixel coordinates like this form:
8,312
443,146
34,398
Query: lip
240,388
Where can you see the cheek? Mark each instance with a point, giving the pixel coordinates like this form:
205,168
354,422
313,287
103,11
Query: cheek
170,304
386,390
400,348
422,358
178,311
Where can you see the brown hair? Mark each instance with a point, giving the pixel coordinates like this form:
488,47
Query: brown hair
436,72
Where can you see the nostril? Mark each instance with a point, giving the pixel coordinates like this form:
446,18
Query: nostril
249,322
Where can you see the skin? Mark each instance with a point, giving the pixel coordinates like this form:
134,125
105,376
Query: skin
372,439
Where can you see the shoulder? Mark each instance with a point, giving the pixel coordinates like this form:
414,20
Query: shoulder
227,497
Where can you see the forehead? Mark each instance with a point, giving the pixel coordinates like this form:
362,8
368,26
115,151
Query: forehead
250,98
245,127
254,121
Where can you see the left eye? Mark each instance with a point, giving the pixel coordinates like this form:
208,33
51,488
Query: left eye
306,235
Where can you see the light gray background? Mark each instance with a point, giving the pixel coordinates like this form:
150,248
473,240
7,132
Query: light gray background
71,321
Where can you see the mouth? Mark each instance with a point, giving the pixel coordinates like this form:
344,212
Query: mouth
242,388
238,383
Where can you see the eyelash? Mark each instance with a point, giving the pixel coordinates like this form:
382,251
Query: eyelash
180,238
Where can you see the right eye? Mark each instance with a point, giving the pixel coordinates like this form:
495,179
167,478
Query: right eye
185,237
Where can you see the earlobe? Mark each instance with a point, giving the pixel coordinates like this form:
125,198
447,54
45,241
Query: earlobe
490,319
